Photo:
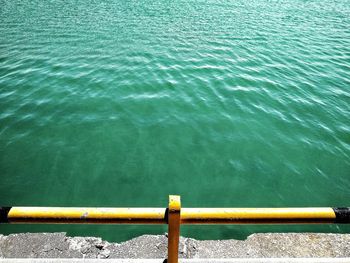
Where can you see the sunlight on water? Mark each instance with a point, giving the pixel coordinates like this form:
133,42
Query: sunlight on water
228,103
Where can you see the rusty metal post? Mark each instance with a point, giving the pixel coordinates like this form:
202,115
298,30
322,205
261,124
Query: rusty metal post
174,214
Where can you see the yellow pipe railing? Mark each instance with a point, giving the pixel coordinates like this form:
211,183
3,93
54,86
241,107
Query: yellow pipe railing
174,216
59,215
256,215
174,222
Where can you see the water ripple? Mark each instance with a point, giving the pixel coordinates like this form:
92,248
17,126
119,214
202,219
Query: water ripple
202,98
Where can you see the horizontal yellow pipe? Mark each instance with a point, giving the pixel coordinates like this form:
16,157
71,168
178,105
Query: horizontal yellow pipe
158,215
256,215
87,215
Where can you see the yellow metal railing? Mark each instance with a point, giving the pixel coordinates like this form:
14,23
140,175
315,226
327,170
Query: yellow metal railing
174,216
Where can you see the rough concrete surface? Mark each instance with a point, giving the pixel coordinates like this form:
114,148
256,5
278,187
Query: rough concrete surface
186,260
58,245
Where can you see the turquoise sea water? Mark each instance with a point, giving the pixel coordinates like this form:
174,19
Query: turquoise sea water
230,103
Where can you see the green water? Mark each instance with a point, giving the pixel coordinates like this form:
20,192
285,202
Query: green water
230,103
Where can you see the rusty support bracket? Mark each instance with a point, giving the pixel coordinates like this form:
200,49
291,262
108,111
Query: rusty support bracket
174,214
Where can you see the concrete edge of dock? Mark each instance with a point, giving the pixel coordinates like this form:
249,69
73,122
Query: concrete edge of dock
262,247
237,260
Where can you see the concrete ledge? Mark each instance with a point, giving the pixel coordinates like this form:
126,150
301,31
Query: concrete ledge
241,260
291,245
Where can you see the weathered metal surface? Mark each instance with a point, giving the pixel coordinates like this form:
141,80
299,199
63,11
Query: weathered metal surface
86,215
256,215
174,214
158,215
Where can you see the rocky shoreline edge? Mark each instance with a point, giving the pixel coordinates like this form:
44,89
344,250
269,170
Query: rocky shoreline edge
262,245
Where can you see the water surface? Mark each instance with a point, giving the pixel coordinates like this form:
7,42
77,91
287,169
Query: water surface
228,103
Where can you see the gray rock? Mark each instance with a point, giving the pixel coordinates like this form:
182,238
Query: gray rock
278,245
36,245
88,247
58,245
